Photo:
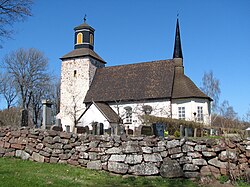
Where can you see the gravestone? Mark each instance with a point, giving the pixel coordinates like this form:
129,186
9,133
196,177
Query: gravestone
56,128
117,129
67,128
79,130
82,130
158,129
146,130
24,118
47,114
94,128
107,131
114,129
58,123
188,132
195,132
181,131
98,128
130,132
121,129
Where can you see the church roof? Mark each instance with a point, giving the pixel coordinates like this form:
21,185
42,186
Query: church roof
183,87
82,52
108,112
141,81
84,26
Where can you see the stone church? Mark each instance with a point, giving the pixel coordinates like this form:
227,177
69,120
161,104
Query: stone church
93,92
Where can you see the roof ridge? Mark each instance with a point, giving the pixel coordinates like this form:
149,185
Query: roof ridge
135,64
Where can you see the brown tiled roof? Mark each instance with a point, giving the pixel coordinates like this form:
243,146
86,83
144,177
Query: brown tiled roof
108,112
184,87
141,81
81,52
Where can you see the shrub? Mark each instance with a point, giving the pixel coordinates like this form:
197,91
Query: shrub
173,125
10,117
177,133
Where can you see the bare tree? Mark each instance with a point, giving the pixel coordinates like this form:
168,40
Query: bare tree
7,89
45,90
227,111
41,91
12,11
227,117
55,95
74,111
247,116
211,87
28,68
10,117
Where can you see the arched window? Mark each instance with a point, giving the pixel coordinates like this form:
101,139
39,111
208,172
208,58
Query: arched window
79,39
91,39
128,114
147,109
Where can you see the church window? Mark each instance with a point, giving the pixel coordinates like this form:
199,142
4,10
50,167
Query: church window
75,73
91,39
79,38
181,112
147,109
200,113
128,115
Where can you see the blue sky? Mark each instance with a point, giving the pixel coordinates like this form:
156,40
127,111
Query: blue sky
215,36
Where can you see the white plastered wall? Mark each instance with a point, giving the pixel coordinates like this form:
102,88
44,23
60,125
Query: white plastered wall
191,107
93,115
160,108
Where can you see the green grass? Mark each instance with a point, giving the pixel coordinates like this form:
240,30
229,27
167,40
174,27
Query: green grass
239,183
20,173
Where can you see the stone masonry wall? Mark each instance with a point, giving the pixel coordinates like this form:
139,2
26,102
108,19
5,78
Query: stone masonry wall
129,155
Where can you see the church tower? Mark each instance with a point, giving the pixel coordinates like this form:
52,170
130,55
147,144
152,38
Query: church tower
77,72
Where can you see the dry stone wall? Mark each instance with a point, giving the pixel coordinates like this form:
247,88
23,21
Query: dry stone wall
130,155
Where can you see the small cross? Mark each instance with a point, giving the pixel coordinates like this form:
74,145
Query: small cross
85,18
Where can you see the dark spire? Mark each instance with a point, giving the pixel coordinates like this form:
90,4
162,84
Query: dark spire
177,43
85,18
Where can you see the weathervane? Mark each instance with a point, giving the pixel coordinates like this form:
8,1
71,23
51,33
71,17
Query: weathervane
85,18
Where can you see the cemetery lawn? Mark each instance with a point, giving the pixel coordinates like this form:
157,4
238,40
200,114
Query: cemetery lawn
15,172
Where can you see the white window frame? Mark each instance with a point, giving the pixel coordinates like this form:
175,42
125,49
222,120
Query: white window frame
181,112
128,115
200,114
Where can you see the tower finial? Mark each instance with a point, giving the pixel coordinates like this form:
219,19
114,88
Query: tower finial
177,44
85,18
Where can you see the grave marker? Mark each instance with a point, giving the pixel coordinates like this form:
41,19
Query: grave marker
24,118
146,130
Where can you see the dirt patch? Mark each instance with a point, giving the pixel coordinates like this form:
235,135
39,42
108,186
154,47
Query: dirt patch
212,182
218,184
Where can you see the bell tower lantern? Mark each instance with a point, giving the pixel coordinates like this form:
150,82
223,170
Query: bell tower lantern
84,36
